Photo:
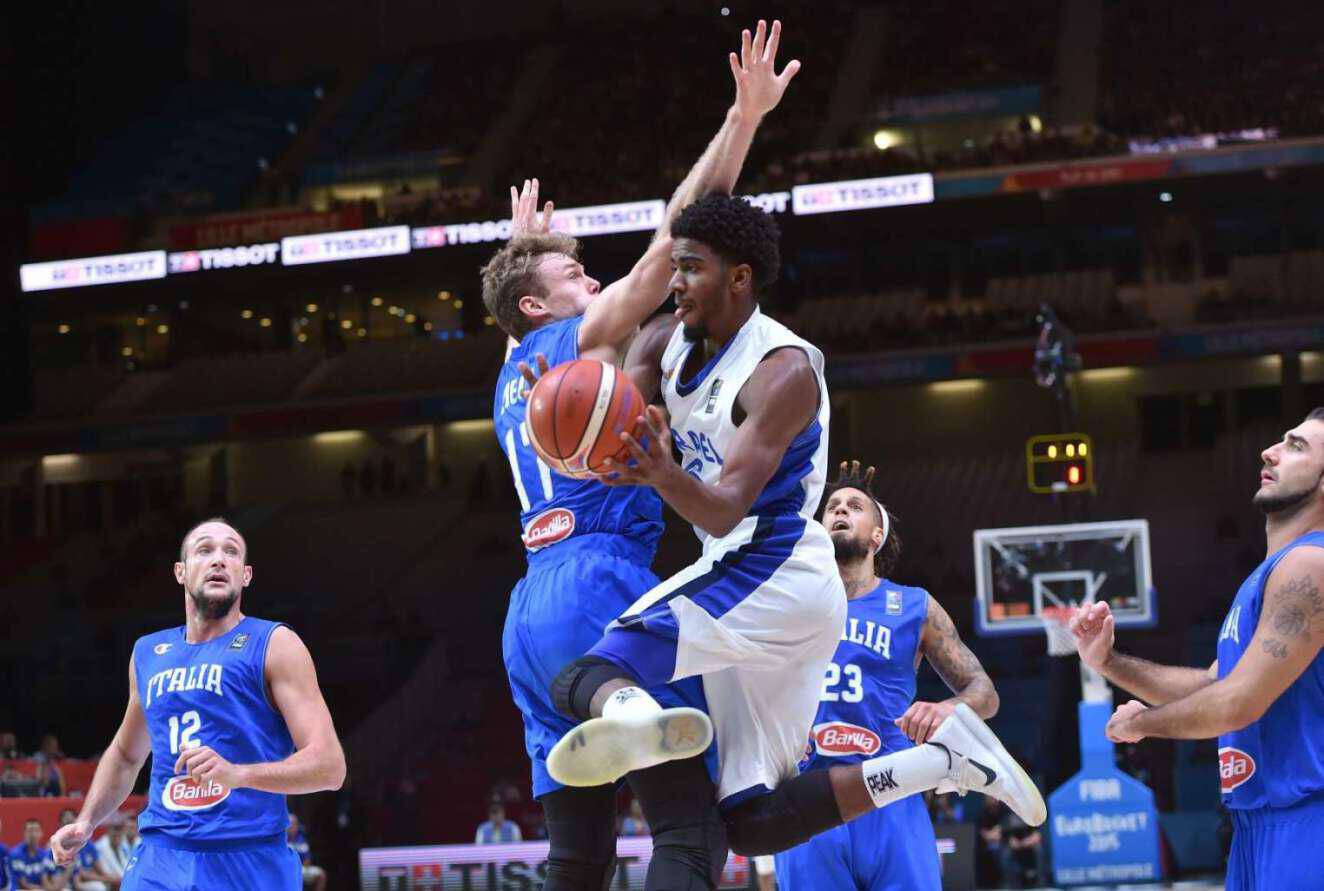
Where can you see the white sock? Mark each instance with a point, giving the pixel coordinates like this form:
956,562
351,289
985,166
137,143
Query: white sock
629,702
890,777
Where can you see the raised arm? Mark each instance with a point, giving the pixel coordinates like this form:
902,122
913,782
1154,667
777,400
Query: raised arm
959,668
780,400
1093,628
1286,640
117,770
318,762
624,305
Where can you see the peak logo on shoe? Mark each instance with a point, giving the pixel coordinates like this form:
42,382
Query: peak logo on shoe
1234,768
840,738
548,528
187,794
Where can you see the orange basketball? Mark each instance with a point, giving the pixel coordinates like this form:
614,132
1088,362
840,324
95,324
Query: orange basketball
577,412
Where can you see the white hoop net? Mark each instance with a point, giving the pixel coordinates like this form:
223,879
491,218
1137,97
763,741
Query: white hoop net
1060,640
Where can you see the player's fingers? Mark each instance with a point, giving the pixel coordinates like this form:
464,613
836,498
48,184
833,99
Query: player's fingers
526,372
770,53
744,49
760,39
542,363
791,70
547,210
735,66
514,202
635,449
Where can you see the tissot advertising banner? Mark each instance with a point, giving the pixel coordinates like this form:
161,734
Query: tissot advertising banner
85,271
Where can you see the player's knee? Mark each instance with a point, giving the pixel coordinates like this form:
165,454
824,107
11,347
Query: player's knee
790,815
569,867
694,845
573,688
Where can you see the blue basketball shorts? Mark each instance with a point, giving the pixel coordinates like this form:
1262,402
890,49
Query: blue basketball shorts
1277,849
890,849
159,864
558,611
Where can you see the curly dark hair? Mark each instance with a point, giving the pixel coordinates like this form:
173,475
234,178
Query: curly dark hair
738,231
850,476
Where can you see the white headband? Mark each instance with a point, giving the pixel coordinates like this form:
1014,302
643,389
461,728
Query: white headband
887,522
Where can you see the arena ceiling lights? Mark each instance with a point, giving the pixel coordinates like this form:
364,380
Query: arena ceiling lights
386,241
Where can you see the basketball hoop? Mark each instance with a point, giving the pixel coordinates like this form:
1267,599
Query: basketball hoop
1061,642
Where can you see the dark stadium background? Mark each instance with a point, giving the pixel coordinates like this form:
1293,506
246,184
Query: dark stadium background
1161,190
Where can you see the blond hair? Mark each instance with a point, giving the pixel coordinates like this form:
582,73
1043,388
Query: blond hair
512,273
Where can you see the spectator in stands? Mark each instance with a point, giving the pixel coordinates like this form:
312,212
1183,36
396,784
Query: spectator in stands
1023,845
6,874
30,862
989,848
368,478
634,824
349,480
49,749
86,872
496,829
113,849
314,877
50,780
9,746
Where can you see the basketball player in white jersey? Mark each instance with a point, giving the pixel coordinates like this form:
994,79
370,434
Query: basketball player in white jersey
760,614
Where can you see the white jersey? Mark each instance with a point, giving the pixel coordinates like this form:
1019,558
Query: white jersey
758,616
703,425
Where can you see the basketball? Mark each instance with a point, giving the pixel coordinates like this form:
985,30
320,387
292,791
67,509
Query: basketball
577,412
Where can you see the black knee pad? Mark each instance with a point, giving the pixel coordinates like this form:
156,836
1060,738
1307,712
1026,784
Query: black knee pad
573,688
791,814
581,831
689,836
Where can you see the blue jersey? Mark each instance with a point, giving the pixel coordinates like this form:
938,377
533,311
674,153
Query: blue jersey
1279,759
871,679
6,878
211,694
31,866
555,507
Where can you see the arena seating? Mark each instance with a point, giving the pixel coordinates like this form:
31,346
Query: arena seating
216,135
221,381
405,365
73,392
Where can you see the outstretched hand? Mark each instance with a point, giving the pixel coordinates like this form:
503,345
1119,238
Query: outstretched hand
524,216
530,376
758,85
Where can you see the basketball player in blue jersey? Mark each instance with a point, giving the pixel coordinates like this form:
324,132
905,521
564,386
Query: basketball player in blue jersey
867,702
760,614
229,708
589,547
1264,695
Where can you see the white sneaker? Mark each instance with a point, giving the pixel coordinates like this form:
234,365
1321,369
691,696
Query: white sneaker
979,763
603,750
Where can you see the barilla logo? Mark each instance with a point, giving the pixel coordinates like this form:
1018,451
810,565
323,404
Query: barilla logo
839,738
186,794
1234,768
548,528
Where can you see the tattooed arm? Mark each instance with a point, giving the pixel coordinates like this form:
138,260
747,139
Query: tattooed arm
1287,639
960,671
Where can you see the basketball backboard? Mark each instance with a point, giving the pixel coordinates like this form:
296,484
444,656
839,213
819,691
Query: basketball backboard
1021,571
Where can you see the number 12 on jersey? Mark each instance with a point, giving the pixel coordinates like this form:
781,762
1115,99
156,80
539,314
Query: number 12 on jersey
184,732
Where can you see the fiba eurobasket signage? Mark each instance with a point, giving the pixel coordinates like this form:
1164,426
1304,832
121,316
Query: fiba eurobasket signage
863,194
108,270
515,867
